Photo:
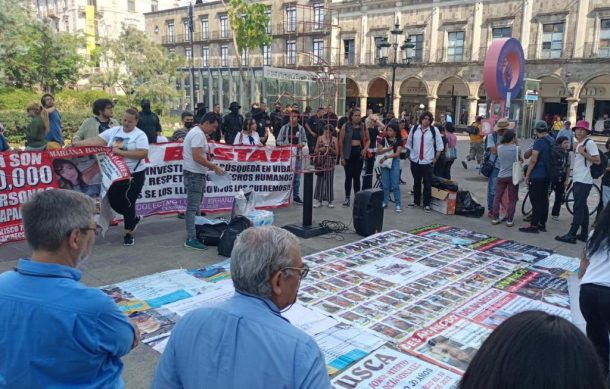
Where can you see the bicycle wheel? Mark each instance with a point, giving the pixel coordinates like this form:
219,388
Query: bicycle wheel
592,201
526,205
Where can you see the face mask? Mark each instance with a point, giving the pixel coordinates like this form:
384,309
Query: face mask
189,125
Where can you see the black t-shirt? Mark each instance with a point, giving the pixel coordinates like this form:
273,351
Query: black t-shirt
316,124
606,176
103,126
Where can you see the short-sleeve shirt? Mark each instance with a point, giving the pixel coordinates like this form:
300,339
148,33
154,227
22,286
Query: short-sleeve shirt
194,138
543,146
507,155
135,139
581,172
57,332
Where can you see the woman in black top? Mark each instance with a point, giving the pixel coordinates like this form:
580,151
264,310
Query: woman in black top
352,149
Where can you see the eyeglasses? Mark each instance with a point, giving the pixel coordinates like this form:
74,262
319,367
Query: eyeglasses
303,271
96,229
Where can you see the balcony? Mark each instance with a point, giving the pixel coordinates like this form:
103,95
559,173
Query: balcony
543,52
446,55
301,28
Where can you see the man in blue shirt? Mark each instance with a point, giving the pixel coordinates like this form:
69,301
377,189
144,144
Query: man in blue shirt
54,137
538,177
245,342
56,332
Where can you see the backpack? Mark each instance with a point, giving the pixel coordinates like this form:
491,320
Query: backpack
551,162
597,170
209,234
488,164
227,239
559,157
432,129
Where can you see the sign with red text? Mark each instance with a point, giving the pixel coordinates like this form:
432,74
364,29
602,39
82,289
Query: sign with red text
268,171
89,170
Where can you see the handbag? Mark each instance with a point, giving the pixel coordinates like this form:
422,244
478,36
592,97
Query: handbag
487,167
387,163
517,169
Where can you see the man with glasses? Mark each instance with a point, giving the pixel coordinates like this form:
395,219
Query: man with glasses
57,332
245,342
92,127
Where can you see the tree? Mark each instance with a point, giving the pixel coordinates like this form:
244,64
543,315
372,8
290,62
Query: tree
32,54
140,68
249,23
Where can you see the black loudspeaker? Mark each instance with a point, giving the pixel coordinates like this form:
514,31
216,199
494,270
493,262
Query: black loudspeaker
368,212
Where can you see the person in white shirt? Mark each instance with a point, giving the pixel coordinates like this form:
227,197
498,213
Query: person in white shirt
594,277
131,143
249,135
426,145
585,154
195,166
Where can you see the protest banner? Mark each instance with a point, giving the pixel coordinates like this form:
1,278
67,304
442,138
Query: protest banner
89,170
451,342
266,170
387,368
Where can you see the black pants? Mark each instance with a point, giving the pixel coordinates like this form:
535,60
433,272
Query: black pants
581,209
422,172
539,196
595,308
122,196
439,167
559,187
447,168
367,181
353,171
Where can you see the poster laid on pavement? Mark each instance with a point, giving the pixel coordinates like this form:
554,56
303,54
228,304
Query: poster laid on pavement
268,171
387,368
494,306
450,342
537,286
515,250
450,234
89,170
558,265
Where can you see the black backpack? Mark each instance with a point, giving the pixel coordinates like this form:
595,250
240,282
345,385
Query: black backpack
598,170
551,161
559,158
209,234
227,239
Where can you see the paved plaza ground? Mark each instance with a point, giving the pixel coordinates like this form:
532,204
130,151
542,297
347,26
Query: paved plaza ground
159,244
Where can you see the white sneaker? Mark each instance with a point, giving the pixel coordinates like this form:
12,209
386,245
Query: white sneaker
318,204
331,205
398,210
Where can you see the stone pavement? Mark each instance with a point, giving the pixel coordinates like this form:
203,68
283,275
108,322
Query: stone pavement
159,244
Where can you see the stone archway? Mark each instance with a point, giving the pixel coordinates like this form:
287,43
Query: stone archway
552,98
452,93
352,93
413,94
377,94
594,100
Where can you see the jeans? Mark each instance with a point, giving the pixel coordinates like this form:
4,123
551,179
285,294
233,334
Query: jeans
422,173
296,185
122,197
605,195
559,187
539,197
581,209
595,307
505,184
353,171
367,180
491,188
194,183
391,179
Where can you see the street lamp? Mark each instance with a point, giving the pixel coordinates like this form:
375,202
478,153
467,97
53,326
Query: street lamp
404,60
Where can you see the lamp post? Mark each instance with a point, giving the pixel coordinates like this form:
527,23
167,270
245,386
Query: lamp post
384,46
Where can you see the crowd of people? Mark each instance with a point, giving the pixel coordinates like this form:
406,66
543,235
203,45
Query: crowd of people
58,332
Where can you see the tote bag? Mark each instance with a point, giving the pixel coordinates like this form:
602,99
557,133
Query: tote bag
517,169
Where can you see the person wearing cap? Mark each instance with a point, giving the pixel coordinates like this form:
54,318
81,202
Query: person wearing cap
491,146
585,155
538,177
149,122
232,123
476,145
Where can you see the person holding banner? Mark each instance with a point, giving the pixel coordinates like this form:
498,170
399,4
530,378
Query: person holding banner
92,127
195,165
38,127
249,135
131,143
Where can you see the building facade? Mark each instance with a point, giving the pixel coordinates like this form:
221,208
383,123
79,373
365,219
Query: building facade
566,46
98,18
298,57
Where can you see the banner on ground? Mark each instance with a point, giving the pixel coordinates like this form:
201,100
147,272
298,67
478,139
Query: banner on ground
89,170
268,171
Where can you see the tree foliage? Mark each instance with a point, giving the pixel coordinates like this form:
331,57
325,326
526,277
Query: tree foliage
249,24
32,53
140,68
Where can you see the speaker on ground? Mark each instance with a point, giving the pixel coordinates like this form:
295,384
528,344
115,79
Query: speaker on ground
368,212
